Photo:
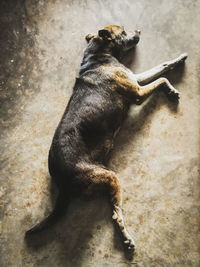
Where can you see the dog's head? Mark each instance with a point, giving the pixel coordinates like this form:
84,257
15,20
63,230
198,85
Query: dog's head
116,38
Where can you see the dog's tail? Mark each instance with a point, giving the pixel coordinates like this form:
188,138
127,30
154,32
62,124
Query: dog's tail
58,211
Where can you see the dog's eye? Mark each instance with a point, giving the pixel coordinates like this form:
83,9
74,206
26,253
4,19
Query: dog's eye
124,33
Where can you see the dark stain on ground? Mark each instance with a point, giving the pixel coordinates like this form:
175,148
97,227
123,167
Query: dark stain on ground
18,28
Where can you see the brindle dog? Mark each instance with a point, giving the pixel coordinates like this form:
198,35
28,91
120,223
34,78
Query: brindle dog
99,104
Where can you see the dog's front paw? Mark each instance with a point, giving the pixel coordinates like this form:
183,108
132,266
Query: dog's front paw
129,243
174,94
183,57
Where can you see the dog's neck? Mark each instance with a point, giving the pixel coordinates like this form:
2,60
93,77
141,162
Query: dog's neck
96,54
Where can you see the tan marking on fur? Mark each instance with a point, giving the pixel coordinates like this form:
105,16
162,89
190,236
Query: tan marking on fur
115,30
89,79
89,36
93,176
123,81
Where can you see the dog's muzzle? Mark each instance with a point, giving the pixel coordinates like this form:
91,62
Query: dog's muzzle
136,36
132,39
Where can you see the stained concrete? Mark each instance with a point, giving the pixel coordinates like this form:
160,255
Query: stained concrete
156,156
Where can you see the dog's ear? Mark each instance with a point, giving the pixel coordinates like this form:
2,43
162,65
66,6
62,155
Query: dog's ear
105,35
88,37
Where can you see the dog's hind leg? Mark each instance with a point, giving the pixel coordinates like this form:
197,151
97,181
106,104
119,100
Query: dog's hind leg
96,176
58,211
148,76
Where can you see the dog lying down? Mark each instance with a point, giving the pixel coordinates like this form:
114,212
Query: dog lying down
101,97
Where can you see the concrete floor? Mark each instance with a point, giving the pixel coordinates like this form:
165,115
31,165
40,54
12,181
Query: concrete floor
156,155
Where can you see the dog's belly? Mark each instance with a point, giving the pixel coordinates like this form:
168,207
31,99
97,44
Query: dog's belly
99,128
99,149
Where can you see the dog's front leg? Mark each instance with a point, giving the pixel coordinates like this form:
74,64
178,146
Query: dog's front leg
148,76
144,91
129,86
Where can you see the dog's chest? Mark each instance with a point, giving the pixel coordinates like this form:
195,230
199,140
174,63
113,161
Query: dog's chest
120,77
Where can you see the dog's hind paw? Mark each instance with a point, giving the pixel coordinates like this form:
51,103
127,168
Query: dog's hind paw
129,243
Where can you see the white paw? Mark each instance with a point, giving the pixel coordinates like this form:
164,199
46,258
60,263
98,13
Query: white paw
129,243
115,216
174,93
183,56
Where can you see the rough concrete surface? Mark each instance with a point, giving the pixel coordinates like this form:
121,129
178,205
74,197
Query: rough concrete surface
156,156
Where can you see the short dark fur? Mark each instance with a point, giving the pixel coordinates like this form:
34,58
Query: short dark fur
84,137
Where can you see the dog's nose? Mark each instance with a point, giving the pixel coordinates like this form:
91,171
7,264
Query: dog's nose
138,31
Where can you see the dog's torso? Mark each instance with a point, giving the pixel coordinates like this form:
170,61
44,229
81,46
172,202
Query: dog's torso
91,120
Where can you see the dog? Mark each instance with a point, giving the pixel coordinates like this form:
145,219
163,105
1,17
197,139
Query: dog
102,95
